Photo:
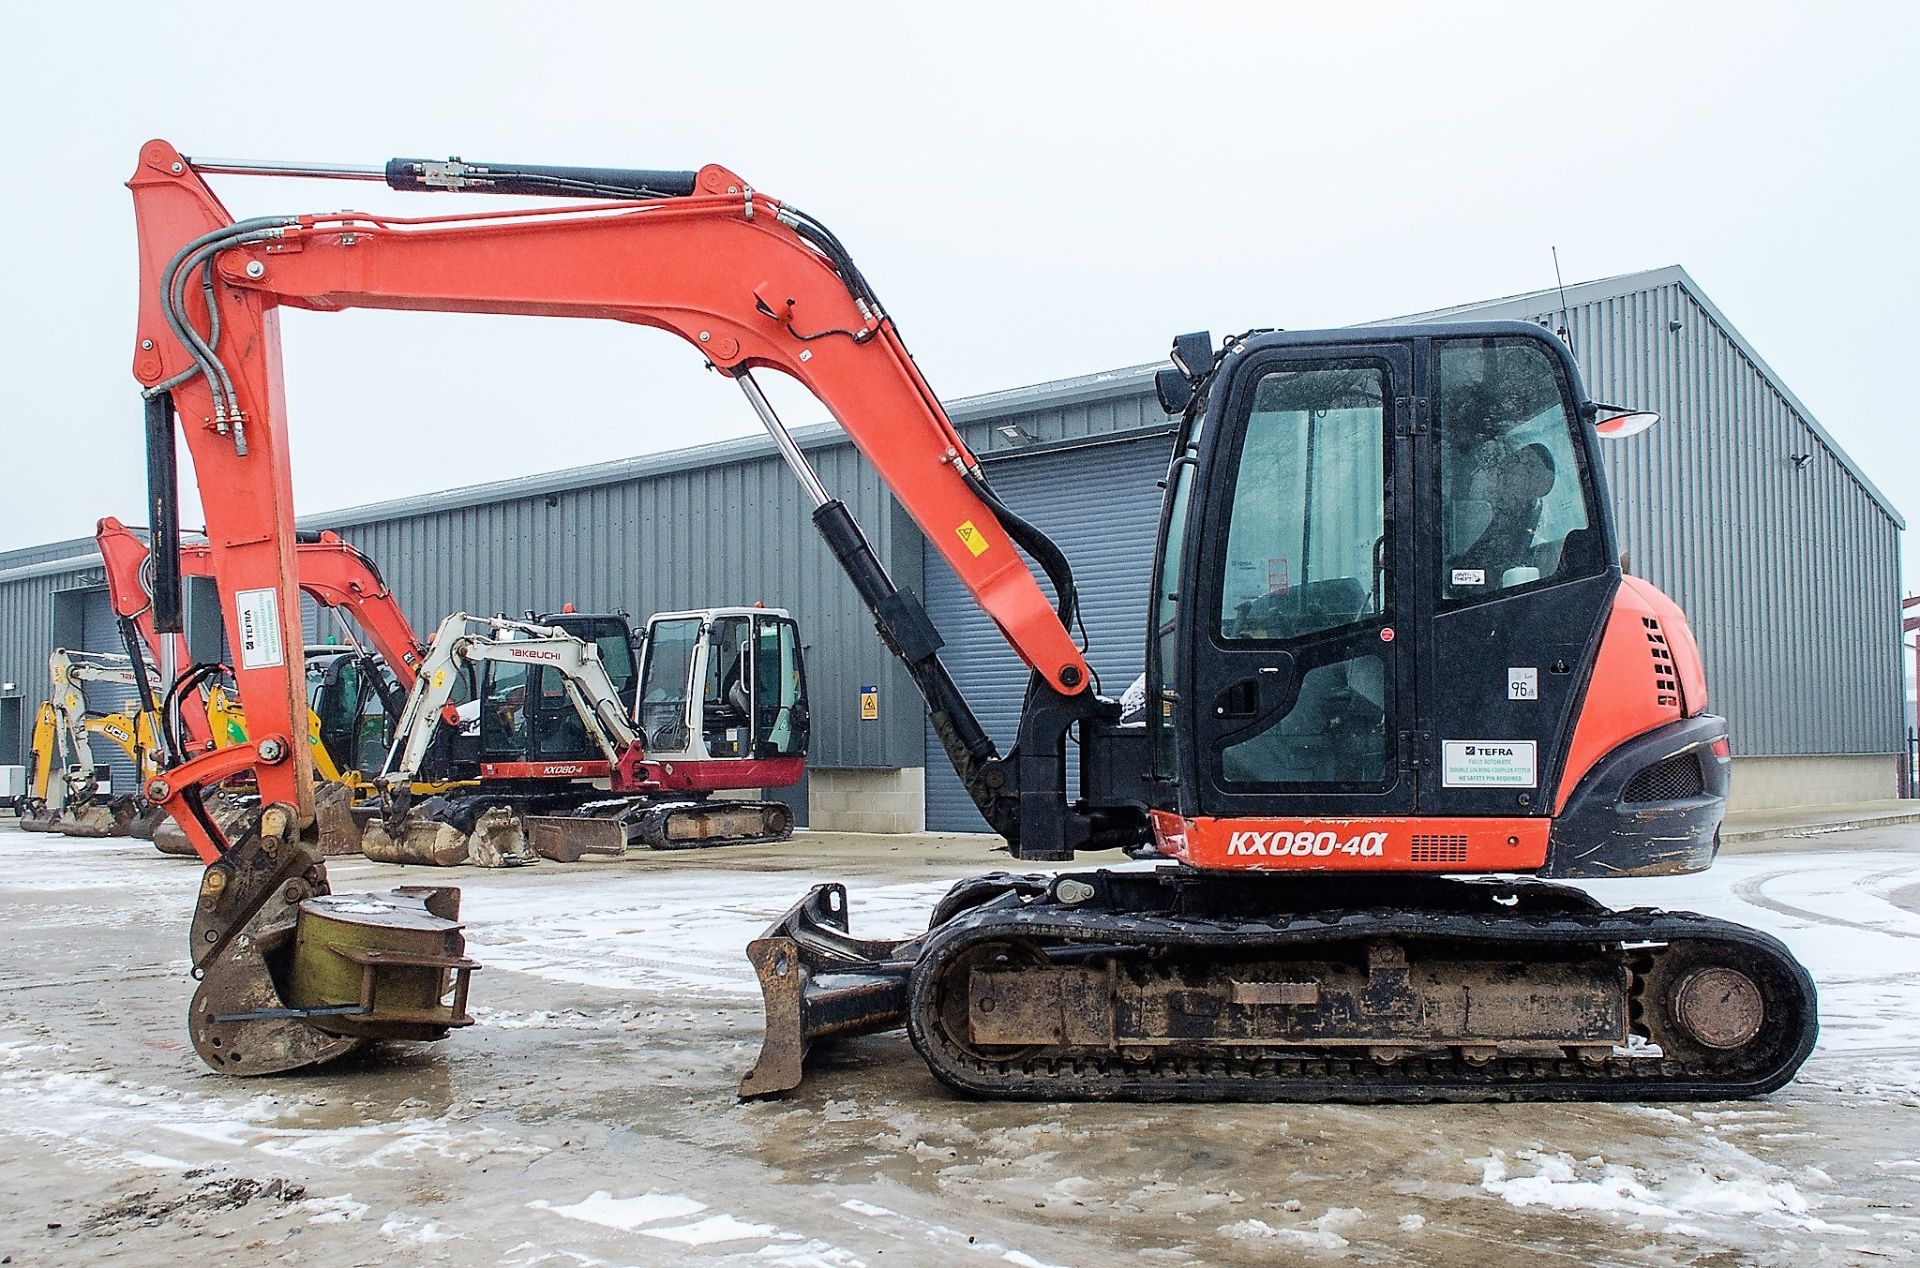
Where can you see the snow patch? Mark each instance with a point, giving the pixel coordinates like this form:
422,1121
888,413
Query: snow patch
626,1214
715,1228
1322,1233
336,1210
1562,1183
865,1208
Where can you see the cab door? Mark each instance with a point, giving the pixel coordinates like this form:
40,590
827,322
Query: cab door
1517,571
1294,677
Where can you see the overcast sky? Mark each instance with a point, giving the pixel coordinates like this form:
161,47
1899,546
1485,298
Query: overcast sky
1036,191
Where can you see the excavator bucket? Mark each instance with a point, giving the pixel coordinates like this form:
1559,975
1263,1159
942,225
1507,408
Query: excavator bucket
96,818
230,814
292,975
36,818
498,839
817,982
340,832
147,822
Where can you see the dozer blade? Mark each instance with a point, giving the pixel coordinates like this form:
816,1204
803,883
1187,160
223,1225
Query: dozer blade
333,816
568,839
292,976
497,840
819,983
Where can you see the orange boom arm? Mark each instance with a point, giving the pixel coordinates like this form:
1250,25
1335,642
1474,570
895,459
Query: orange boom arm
748,282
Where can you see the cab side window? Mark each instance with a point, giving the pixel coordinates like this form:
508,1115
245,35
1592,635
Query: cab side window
1513,480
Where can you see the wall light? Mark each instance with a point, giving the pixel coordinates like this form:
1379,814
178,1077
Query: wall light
1016,434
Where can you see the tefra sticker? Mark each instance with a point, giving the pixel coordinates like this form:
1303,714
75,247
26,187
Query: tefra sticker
1488,764
259,614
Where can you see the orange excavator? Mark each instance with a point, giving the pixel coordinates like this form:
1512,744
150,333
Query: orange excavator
1395,679
348,685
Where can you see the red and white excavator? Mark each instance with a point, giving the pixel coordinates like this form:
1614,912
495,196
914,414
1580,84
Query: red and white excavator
1395,679
566,712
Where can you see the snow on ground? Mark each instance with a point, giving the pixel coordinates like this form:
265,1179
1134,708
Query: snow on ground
664,932
1851,916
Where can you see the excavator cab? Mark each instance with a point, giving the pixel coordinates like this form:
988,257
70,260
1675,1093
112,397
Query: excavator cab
1388,605
525,715
352,705
724,684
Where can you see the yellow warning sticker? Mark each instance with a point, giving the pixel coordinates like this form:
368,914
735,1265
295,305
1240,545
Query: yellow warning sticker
976,541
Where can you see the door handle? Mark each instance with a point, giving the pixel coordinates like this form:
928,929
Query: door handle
1241,700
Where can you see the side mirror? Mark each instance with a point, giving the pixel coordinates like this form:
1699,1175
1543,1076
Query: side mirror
1629,423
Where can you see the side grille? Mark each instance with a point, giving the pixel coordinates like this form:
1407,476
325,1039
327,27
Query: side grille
1439,849
1667,781
1666,683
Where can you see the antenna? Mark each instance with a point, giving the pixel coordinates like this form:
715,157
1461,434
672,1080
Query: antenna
1562,332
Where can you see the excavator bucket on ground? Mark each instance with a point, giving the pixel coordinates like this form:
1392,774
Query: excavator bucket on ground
229,813
340,831
497,839
292,975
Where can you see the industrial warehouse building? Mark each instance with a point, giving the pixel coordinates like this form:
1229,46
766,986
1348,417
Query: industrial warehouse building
1782,552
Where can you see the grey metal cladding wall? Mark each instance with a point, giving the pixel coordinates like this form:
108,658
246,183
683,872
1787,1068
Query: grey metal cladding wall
26,616
1789,576
733,533
1101,505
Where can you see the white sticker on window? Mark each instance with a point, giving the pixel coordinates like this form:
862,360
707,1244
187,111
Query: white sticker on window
1469,576
1488,764
259,612
1523,684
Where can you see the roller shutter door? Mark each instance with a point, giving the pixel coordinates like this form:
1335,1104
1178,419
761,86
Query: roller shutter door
1101,504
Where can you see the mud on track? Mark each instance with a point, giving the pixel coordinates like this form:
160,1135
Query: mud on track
589,1117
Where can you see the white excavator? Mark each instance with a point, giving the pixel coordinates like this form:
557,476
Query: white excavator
575,751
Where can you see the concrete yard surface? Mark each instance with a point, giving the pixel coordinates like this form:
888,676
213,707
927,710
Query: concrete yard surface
589,1117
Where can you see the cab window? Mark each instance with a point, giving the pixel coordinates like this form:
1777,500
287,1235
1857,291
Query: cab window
1513,481
1306,541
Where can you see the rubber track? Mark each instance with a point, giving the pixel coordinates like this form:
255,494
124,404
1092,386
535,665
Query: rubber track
1332,1075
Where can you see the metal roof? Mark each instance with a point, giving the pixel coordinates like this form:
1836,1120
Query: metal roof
1535,304
1125,381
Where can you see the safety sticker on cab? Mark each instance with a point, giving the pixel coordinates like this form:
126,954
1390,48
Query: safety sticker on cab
1488,764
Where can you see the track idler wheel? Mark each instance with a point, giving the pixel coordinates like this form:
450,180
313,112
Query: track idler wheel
1715,1007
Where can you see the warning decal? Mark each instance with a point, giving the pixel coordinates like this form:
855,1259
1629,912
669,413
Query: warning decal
976,541
1488,764
259,613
